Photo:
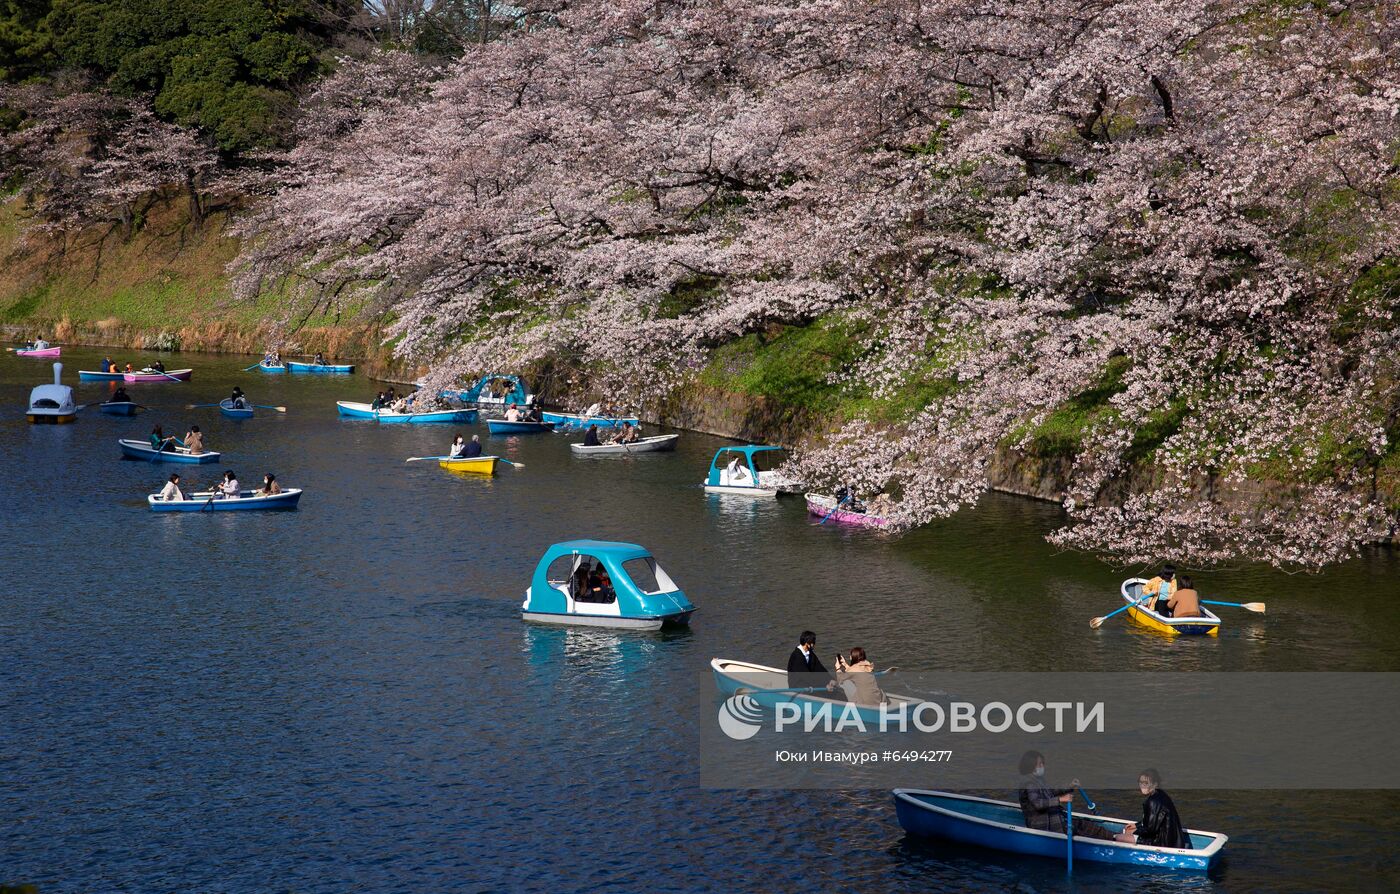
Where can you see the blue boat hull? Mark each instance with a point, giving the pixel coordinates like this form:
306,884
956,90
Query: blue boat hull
465,417
227,409
999,825
121,408
765,685
341,368
271,369
353,410
247,503
87,375
138,450
578,420
502,427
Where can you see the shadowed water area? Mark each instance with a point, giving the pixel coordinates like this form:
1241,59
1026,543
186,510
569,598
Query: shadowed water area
345,697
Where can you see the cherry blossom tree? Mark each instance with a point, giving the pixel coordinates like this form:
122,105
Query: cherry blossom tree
1185,208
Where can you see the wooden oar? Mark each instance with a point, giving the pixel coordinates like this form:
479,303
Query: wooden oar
199,406
414,459
510,463
1096,623
833,509
1249,606
266,407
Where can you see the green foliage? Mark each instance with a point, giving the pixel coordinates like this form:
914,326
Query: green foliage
791,366
688,295
26,47
226,67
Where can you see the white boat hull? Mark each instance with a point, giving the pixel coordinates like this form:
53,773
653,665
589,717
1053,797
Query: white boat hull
741,491
612,621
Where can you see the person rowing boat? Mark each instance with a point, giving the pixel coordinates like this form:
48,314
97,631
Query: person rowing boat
238,400
228,488
1043,806
159,441
119,396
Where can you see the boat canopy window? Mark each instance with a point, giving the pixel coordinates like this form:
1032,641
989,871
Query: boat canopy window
583,577
648,576
46,403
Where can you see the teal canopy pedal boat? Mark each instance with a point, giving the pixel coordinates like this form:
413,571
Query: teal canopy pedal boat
734,470
598,583
494,390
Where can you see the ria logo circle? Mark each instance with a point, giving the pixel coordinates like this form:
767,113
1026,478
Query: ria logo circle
740,717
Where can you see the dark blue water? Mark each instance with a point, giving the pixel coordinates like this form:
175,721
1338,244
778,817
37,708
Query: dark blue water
344,698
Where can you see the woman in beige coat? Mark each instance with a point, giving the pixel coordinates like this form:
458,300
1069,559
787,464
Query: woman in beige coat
857,679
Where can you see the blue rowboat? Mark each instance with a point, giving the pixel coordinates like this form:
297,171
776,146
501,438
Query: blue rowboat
272,367
504,427
355,410
296,367
143,450
89,375
226,407
1208,624
1000,825
636,593
467,416
118,408
768,686
581,420
248,501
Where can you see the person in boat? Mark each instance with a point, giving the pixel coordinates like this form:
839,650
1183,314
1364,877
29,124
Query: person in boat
590,437
158,366
1160,588
40,344
473,448
400,405
194,440
1161,825
578,583
160,442
804,668
391,395
171,493
120,396
851,502
320,359
128,367
237,400
631,434
857,679
1185,602
513,414
459,447
379,402
1044,807
267,359
270,487
108,366
534,414
737,475
228,488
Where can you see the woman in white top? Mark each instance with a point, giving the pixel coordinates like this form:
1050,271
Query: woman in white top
228,488
459,446
172,492
513,414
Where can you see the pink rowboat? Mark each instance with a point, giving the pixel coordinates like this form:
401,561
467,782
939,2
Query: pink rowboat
45,352
150,375
820,505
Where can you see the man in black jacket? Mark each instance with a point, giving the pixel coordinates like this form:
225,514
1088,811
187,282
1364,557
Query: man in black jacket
804,668
1161,824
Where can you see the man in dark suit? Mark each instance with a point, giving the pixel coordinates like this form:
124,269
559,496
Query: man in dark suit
804,668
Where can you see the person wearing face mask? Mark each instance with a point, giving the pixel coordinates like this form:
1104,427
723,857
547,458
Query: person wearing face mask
1044,807
804,668
1161,824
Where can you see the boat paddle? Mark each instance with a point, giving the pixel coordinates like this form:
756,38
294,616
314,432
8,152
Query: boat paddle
833,509
210,502
1096,623
267,407
1249,606
1087,802
511,463
162,372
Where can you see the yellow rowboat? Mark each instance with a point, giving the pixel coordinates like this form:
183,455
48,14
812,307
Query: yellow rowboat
1206,625
481,465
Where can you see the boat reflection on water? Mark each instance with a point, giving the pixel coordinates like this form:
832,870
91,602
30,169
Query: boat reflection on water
604,656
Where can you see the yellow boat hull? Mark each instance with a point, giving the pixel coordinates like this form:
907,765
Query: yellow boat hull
1150,621
45,419
1208,624
479,465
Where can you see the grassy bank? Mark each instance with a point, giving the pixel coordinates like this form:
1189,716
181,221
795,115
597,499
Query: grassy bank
163,285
